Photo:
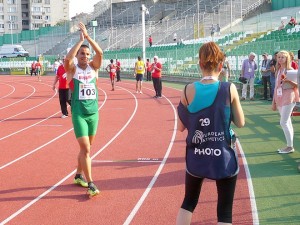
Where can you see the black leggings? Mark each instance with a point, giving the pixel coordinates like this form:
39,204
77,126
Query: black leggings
225,188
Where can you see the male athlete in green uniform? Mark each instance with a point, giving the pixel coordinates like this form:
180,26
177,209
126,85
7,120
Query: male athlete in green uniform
84,103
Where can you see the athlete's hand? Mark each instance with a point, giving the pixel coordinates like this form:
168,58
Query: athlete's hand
83,29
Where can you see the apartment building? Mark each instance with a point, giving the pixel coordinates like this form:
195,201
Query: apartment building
18,15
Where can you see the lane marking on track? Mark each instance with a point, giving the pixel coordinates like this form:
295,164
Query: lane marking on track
74,171
31,107
49,142
13,90
153,180
50,125
254,211
138,160
23,99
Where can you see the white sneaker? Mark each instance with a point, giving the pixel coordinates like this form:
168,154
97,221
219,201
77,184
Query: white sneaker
141,92
64,116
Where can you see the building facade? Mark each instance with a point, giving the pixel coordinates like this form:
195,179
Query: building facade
18,15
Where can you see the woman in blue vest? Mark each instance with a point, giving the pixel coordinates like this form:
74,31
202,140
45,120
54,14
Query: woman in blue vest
206,110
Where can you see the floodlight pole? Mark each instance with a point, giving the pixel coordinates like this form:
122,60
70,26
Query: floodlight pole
11,34
144,9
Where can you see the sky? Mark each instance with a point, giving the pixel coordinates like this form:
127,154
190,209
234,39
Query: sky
78,6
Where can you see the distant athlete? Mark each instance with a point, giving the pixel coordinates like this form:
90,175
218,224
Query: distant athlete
85,114
139,71
112,69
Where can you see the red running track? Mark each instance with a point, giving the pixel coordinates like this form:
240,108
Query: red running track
138,160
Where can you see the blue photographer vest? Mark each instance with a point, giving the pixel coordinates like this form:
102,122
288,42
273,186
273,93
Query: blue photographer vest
208,151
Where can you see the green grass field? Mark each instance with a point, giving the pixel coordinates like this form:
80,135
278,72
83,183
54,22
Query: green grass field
275,177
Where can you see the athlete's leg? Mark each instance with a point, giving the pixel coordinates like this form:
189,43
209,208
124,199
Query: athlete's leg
84,159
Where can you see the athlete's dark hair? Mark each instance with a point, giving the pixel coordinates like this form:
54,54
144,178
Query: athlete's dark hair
111,61
82,46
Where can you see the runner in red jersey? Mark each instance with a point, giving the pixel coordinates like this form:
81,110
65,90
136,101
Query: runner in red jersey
112,69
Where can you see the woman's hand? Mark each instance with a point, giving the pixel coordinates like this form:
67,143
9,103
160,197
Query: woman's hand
274,108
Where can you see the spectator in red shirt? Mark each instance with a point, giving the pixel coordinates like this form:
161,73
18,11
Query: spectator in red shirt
112,69
292,21
148,68
63,89
150,41
156,77
118,64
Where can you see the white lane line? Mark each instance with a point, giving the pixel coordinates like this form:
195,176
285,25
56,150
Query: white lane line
254,211
16,102
70,174
30,108
49,142
152,182
34,150
13,90
128,161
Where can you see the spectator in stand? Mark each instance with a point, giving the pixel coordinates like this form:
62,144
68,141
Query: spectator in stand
294,64
150,41
285,97
156,77
248,71
148,68
118,64
292,22
111,69
266,76
212,30
282,26
63,89
273,69
218,29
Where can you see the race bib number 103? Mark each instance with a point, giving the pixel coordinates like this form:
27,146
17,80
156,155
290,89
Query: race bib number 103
87,91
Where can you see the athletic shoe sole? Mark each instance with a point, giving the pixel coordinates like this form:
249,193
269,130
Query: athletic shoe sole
93,194
80,182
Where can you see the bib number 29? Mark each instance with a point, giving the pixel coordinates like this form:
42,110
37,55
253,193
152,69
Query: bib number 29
204,122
